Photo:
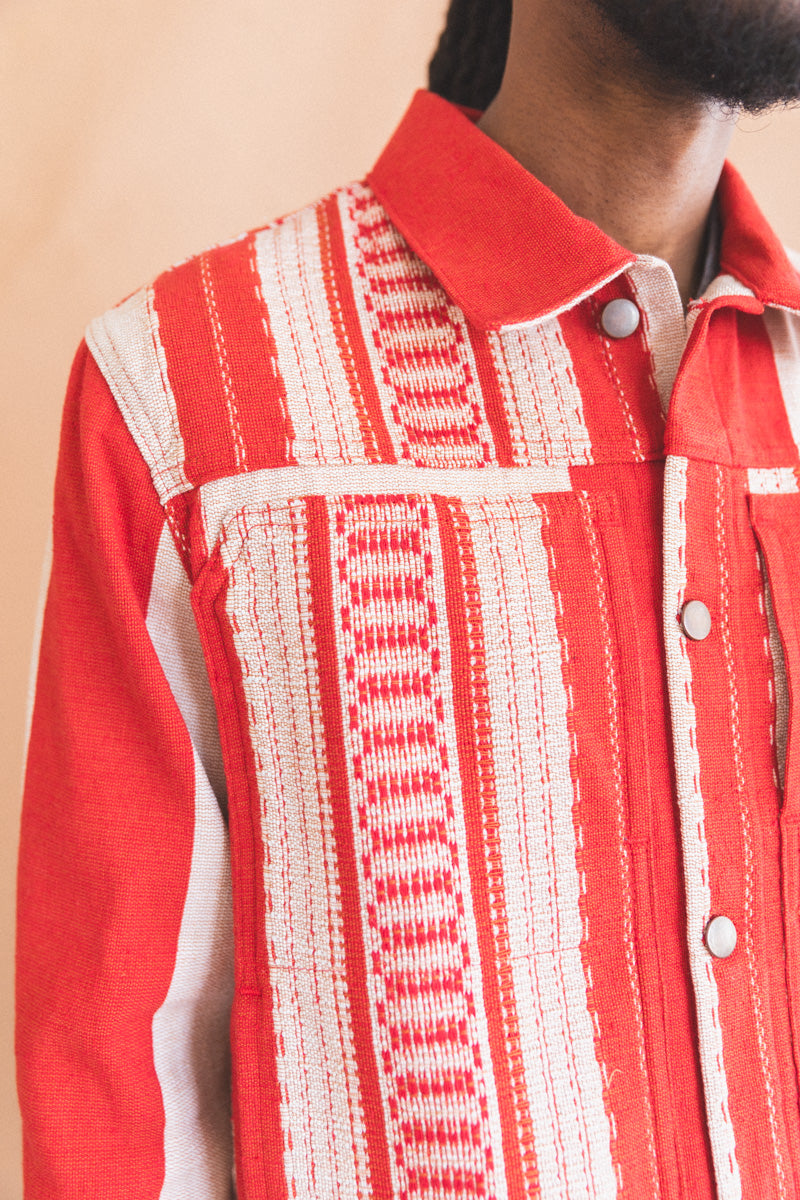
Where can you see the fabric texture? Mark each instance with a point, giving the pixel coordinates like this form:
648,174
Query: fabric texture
377,802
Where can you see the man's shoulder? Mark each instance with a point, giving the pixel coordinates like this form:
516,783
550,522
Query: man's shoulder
236,270
265,349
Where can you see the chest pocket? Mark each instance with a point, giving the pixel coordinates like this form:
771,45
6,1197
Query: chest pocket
429,691
776,519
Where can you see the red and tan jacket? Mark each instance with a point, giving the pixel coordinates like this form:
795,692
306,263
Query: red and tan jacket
378,803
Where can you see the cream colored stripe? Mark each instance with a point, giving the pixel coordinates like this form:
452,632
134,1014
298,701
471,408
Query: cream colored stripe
266,554
126,345
224,497
190,1030
465,885
543,401
725,285
776,481
535,799
693,836
663,321
318,395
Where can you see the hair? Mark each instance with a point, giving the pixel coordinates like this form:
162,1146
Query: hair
467,67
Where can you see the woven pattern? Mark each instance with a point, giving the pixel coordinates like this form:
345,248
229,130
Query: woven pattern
483,794
430,788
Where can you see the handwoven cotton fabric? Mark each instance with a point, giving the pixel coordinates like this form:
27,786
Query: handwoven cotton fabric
378,803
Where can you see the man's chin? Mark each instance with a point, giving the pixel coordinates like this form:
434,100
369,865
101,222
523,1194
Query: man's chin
740,54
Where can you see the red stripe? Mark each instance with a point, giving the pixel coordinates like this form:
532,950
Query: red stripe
256,1092
620,402
716,574
743,379
356,964
259,394
630,533
494,402
349,335
222,365
591,672
473,733
194,372
777,524
107,824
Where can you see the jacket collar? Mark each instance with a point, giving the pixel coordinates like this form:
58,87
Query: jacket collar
507,250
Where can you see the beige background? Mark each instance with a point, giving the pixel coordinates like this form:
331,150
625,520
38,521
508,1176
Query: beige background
132,135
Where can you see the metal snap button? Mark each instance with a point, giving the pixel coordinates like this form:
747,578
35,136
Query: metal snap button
696,620
720,937
620,318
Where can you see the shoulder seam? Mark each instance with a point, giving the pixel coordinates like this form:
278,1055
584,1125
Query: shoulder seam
124,345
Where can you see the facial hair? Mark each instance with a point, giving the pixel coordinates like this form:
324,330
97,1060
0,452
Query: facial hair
743,54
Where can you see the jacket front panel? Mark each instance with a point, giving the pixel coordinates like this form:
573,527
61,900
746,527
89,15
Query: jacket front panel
484,794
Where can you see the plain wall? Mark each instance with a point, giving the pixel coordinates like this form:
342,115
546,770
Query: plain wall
131,136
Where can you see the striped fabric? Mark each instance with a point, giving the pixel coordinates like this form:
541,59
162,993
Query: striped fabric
377,804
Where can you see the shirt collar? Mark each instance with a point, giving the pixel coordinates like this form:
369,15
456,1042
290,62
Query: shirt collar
507,250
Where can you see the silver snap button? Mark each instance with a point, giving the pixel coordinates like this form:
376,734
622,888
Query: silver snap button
696,620
720,937
620,318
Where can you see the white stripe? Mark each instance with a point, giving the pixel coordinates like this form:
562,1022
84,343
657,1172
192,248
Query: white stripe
222,498
36,645
126,345
543,401
325,1156
693,837
191,1048
772,481
784,333
445,645
663,321
724,285
318,396
535,799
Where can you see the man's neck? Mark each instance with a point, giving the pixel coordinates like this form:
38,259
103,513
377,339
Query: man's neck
583,114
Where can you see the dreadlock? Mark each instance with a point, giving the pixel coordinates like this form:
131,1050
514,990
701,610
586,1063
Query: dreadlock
468,65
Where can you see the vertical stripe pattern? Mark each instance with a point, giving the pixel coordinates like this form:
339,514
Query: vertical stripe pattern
321,405
695,848
466,768
429,389
126,342
190,1044
528,712
535,371
391,634
325,1150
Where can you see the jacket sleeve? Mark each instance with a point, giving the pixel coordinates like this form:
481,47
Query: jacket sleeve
124,948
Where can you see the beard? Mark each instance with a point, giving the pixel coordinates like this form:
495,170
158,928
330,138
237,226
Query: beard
743,54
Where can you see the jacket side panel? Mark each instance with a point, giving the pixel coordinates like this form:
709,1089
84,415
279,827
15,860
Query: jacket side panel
110,816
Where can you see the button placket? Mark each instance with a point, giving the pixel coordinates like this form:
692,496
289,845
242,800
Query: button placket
688,487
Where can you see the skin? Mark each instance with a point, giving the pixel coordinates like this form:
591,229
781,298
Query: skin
618,141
